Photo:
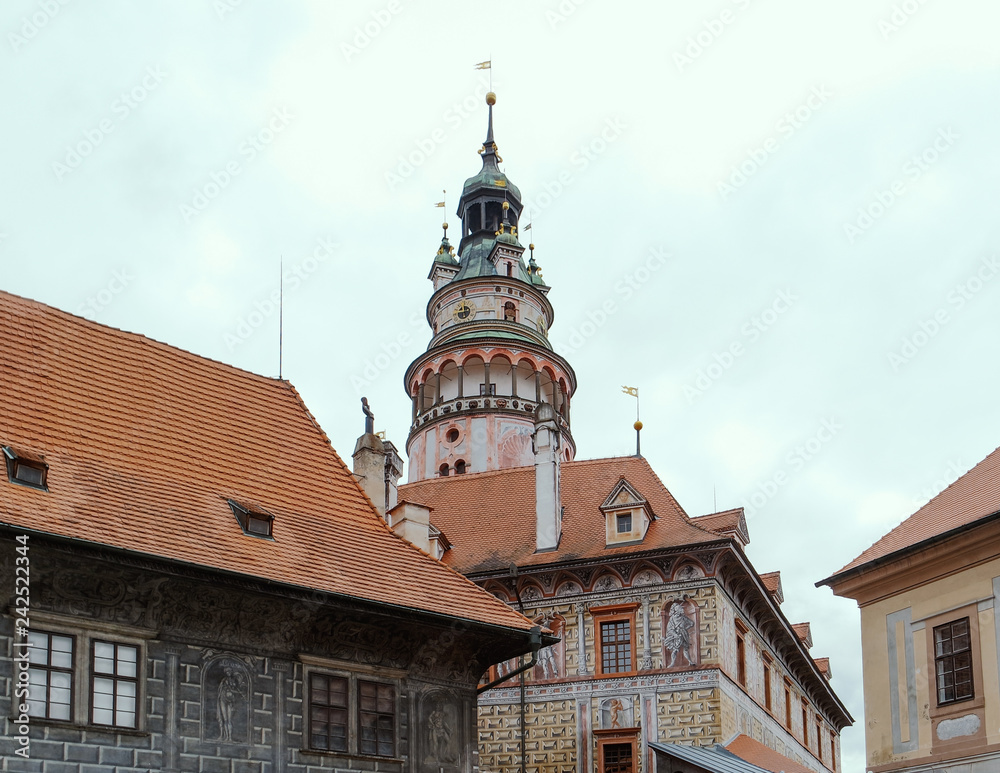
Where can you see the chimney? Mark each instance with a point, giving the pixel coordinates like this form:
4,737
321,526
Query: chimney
377,465
546,442
370,469
412,522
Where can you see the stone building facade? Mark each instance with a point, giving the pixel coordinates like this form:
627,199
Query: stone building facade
174,598
667,633
928,593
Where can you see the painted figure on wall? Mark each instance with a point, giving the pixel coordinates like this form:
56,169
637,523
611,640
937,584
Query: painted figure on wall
441,735
680,634
226,696
552,659
616,713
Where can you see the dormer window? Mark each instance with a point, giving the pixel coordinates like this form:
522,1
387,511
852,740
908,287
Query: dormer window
627,515
25,472
254,523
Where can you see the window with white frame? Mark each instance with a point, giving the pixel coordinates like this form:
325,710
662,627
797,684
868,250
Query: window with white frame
50,675
114,684
84,677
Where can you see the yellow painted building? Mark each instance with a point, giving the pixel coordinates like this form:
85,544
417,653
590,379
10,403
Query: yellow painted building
929,627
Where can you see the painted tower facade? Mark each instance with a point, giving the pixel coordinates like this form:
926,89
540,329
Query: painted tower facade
489,364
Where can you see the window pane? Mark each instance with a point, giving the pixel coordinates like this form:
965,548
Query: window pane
127,660
103,716
38,652
125,719
103,649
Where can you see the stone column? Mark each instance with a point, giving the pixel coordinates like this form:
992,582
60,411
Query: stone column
461,381
420,397
414,408
513,380
538,386
278,747
171,741
486,388
581,644
646,663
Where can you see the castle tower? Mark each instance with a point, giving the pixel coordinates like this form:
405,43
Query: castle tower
489,364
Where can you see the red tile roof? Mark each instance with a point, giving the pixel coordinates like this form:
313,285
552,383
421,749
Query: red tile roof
503,530
772,581
974,496
804,632
823,664
145,443
754,752
728,523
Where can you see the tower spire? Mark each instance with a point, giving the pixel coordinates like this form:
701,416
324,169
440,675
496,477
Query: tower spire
491,158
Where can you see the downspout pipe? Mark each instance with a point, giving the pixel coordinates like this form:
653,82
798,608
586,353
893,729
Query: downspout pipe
536,644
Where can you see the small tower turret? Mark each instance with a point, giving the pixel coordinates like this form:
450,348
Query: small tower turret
489,365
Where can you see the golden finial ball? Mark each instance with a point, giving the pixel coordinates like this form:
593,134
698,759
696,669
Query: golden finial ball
637,425
506,206
444,226
531,246
491,98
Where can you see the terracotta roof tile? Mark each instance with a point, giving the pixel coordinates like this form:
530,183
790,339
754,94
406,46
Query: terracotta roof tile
804,632
823,664
772,582
973,496
503,530
754,752
728,523
145,443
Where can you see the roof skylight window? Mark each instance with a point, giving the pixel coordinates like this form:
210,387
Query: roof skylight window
253,522
25,472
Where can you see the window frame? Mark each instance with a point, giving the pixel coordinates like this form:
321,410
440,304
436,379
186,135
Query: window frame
939,659
741,655
768,676
615,613
116,679
49,669
344,670
308,704
975,704
83,636
788,704
378,714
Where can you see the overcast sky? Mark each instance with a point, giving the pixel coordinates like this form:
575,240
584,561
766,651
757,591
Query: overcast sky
776,218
